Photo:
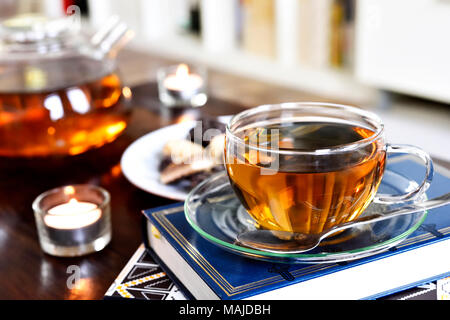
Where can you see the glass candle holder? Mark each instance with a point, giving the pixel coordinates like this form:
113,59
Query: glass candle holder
182,86
73,220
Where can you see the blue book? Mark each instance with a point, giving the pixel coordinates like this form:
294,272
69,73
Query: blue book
209,272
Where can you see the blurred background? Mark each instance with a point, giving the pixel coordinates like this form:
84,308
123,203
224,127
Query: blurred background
390,56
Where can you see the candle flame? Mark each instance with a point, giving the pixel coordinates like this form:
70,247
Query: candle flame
182,71
127,93
69,190
51,131
116,170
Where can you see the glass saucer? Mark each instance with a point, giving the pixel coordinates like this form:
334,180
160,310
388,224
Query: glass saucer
214,211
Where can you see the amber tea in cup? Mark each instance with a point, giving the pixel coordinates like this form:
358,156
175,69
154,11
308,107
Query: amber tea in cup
307,167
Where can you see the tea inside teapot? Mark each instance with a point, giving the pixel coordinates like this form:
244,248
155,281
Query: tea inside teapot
60,93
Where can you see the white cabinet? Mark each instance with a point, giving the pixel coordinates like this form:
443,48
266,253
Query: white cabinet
404,46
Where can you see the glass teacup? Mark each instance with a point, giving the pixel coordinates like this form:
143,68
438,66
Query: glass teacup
307,167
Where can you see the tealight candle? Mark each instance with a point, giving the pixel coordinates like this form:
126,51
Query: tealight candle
183,81
73,220
182,86
72,215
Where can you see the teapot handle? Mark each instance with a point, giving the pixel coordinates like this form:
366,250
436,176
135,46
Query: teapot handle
112,36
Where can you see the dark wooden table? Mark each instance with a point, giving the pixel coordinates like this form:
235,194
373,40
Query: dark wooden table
28,273
25,271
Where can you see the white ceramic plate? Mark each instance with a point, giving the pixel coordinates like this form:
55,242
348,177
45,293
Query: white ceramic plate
140,161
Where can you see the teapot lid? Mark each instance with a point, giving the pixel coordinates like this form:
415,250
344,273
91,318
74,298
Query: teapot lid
32,28
25,35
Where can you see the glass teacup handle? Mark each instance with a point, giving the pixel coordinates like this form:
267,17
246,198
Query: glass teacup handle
421,188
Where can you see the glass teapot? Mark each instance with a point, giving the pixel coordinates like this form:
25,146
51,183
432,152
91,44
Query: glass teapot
60,93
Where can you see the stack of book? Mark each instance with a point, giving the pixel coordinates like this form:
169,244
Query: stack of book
183,265
136,282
